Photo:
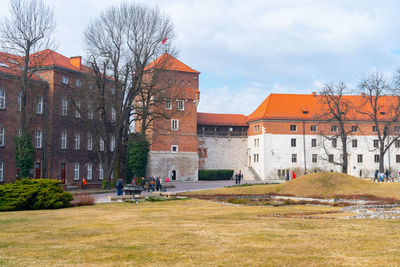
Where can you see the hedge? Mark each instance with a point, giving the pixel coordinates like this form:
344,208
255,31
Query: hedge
33,194
215,174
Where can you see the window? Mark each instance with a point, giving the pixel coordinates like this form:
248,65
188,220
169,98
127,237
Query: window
354,128
359,158
168,104
293,142
313,128
376,158
313,142
1,171
294,158
397,143
77,141
397,158
76,171
334,142
64,140
101,144
38,139
113,114
78,83
376,143
375,129
397,129
90,111
181,105
90,142
101,172
174,125
19,101
354,143
89,171
174,148
293,128
2,134
256,158
2,99
256,142
19,132
330,158
112,143
64,106
39,105
64,80
256,128
77,113
314,158
334,128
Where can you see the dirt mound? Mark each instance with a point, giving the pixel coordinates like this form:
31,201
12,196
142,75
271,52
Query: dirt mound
325,184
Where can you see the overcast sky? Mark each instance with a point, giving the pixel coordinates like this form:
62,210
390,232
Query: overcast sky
246,50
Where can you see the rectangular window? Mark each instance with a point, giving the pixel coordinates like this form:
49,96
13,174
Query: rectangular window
64,80
376,158
89,171
314,158
397,129
90,111
101,172
293,142
1,171
77,113
359,158
256,142
256,128
334,142
112,145
38,139
90,142
313,142
354,143
39,105
113,114
330,158
376,143
174,125
334,128
78,83
294,158
293,128
19,132
354,128
181,105
77,141
397,158
174,148
313,128
375,129
397,143
64,140
101,144
2,99
19,101
64,106
168,105
76,171
2,134
256,158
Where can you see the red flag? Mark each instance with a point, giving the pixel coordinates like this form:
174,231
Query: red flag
165,39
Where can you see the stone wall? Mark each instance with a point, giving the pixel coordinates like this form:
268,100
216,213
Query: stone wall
162,163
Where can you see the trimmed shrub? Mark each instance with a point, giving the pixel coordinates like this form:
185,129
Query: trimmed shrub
106,184
212,175
29,194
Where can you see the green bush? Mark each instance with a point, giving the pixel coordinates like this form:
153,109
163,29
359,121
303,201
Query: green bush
215,174
29,194
105,184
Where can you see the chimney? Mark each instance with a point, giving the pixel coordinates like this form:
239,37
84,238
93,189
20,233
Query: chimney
314,94
76,61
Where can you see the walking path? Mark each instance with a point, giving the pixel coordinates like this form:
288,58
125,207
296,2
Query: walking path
187,186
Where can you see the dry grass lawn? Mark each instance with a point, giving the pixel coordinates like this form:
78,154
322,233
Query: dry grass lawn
316,184
192,233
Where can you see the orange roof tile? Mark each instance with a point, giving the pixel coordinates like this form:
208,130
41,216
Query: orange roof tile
168,62
52,58
309,107
221,119
10,64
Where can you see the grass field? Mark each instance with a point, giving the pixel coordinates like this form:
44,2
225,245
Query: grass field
193,233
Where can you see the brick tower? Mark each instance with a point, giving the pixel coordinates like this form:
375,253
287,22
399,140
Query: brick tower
173,139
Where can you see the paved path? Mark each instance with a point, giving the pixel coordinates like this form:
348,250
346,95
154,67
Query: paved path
187,186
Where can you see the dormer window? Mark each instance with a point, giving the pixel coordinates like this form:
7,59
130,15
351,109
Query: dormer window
64,80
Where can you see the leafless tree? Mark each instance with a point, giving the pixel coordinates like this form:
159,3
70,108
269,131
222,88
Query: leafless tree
28,30
381,105
335,108
121,42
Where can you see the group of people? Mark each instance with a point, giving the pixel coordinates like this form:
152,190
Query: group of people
238,177
385,176
151,184
287,178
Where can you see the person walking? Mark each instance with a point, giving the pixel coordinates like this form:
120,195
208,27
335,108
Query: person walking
376,175
119,185
240,176
236,178
158,185
84,183
287,177
293,175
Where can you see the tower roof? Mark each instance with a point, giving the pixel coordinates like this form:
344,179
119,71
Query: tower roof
168,62
221,119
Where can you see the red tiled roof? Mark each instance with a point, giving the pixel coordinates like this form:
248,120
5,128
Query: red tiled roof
221,119
168,62
52,58
309,107
9,64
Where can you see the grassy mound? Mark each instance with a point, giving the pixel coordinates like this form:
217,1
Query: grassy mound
323,184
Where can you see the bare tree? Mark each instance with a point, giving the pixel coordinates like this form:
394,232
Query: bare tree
381,105
336,108
121,42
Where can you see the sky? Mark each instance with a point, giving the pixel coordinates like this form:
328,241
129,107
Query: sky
246,50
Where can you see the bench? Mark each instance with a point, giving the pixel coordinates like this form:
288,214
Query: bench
132,190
